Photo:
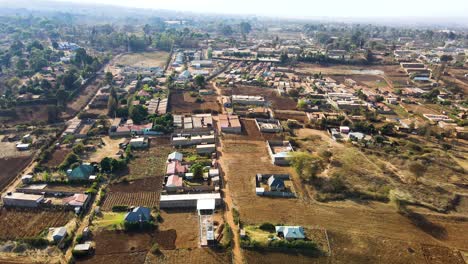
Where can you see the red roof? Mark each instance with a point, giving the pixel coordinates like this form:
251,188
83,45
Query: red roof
175,167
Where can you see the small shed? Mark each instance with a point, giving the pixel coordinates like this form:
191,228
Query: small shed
59,234
175,156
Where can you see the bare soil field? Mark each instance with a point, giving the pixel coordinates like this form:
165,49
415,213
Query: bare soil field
143,59
296,115
148,199
306,68
196,256
120,247
27,115
84,97
10,167
184,223
9,150
180,103
356,229
271,95
21,223
141,185
58,156
110,149
150,162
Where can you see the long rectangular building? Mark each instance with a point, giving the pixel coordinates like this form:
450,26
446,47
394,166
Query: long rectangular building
187,200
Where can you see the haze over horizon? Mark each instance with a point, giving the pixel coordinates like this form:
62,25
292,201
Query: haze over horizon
303,8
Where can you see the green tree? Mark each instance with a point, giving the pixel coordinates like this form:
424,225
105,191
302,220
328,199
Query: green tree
199,80
306,165
301,104
109,78
197,170
138,113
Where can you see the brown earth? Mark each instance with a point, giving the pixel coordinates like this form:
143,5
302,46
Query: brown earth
360,232
58,156
27,115
21,223
179,104
271,95
10,167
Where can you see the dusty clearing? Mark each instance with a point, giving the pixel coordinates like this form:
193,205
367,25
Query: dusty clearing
143,59
271,95
182,222
179,105
110,149
21,223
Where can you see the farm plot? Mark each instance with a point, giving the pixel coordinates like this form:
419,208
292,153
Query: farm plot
16,223
182,102
147,199
57,157
150,162
11,167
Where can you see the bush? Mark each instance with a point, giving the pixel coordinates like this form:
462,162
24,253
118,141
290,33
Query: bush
35,241
227,236
236,216
269,227
136,226
155,249
78,238
119,208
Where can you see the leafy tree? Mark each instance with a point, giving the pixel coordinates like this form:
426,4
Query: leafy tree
306,165
109,77
301,104
112,103
197,170
106,164
199,80
138,113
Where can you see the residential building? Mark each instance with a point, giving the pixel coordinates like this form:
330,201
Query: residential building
138,214
290,232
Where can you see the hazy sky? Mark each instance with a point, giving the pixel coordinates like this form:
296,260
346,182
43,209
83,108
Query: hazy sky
306,8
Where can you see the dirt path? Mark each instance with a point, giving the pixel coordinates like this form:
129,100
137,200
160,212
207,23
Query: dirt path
238,257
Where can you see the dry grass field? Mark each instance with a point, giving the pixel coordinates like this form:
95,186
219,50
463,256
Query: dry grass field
150,162
360,231
182,103
143,59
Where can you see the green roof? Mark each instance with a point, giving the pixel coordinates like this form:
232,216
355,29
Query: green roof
81,172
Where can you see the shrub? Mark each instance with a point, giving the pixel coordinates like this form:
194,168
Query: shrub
236,216
155,249
269,227
227,236
119,208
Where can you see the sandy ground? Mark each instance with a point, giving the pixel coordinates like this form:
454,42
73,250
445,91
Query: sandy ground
110,149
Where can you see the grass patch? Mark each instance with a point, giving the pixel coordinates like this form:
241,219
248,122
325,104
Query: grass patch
110,221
